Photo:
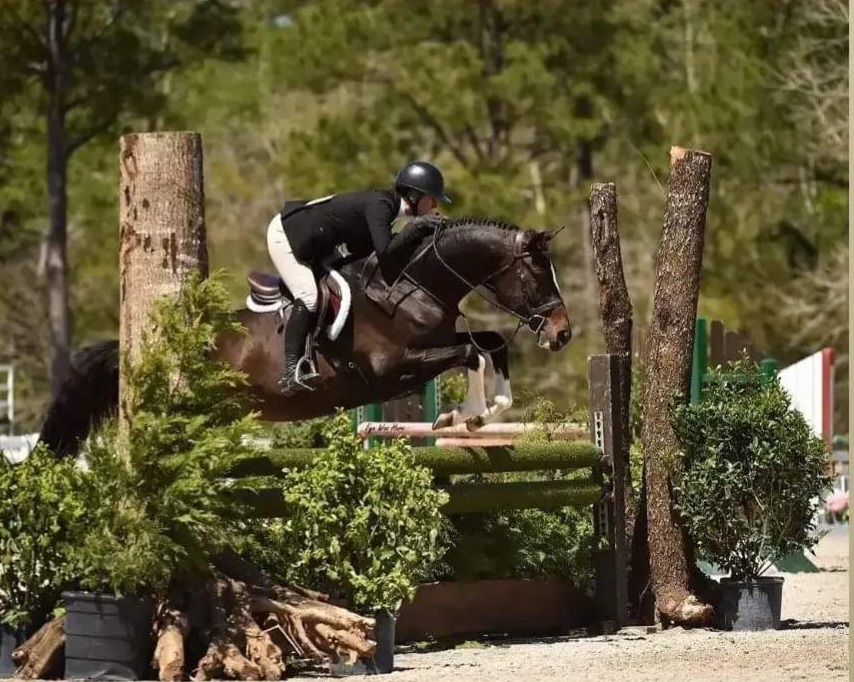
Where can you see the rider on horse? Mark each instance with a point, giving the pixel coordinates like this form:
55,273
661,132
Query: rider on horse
306,234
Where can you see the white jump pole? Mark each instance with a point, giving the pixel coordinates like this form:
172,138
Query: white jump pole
501,432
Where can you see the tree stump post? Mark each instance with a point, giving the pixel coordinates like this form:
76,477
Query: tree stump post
163,237
667,374
615,310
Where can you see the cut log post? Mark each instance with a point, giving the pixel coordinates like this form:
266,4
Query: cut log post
168,660
42,655
162,222
615,310
667,374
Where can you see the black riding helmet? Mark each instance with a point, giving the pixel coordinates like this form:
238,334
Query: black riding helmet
420,178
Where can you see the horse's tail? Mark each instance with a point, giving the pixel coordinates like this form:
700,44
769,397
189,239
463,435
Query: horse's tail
88,394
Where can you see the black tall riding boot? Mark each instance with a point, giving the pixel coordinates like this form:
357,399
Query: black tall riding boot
298,366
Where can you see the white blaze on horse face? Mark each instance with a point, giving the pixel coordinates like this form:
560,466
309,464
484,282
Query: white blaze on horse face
554,277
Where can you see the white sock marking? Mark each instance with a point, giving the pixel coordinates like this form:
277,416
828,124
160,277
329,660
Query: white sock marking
503,395
475,403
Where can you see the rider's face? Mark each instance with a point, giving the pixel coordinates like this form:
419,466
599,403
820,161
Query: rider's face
425,205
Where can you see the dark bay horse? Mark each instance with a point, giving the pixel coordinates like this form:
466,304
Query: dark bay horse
396,338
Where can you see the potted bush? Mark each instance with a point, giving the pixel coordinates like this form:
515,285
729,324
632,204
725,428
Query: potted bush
751,472
157,511
123,561
363,523
37,510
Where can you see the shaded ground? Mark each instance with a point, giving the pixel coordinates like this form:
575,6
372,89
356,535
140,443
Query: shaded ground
812,645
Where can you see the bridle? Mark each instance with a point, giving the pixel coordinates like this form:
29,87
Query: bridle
534,318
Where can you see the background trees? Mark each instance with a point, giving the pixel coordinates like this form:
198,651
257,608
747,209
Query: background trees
523,104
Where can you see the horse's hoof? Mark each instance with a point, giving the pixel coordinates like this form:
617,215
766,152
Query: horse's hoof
443,420
474,423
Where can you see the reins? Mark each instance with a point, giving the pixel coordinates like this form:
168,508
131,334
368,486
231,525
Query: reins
536,315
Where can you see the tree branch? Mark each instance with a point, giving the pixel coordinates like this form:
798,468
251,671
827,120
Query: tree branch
475,143
492,57
431,121
74,143
72,22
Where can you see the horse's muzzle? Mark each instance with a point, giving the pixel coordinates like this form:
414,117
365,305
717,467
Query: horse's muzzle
556,333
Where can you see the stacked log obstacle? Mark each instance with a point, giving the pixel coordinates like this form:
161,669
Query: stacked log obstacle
579,448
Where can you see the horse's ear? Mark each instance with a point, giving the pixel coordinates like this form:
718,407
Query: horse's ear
548,235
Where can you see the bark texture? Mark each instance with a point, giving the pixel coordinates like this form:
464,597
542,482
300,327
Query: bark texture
615,311
163,239
42,655
172,628
667,374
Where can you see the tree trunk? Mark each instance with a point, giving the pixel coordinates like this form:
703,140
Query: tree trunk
55,249
582,176
615,310
163,238
667,374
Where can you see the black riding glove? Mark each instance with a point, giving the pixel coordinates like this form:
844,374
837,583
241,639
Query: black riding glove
427,223
403,245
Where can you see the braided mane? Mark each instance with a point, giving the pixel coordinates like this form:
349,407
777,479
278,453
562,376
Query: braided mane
450,224
480,221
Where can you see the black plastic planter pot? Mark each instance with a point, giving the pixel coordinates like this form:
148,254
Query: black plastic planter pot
9,641
751,605
106,637
383,660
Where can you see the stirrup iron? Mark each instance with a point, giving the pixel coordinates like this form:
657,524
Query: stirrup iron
311,373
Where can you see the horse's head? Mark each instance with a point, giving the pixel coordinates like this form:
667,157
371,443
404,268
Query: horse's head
510,263
527,285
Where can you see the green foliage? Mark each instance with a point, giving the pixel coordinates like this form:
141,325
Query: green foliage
364,522
547,418
309,433
122,542
157,496
523,543
116,55
39,507
453,387
752,471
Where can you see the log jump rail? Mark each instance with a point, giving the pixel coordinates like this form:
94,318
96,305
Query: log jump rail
502,434
590,450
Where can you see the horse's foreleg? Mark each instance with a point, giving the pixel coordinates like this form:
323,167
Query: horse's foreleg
474,409
499,394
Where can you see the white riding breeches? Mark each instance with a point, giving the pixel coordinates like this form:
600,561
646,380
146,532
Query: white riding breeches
298,278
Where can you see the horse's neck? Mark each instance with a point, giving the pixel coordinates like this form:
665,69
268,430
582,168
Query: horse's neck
473,253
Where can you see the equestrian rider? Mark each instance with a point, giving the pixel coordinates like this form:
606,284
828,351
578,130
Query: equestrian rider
305,234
